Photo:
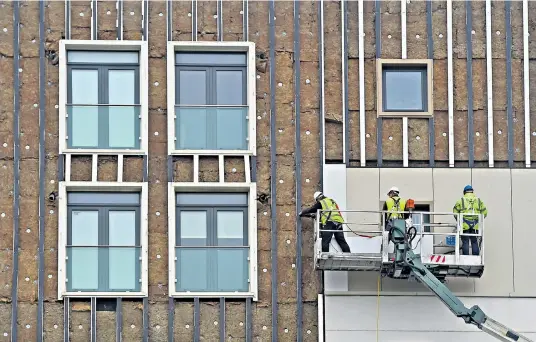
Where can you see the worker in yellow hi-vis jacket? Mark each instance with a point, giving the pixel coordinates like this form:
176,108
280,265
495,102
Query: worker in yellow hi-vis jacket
330,220
470,204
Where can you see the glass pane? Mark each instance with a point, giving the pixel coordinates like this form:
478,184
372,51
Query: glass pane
404,90
193,228
116,57
122,228
192,87
122,123
232,269
121,87
231,129
191,128
84,86
83,268
230,87
192,269
230,228
100,198
123,264
211,58
84,126
84,228
212,199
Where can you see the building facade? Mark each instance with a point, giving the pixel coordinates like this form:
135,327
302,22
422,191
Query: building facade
155,155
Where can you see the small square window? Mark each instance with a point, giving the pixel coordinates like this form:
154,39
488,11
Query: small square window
405,88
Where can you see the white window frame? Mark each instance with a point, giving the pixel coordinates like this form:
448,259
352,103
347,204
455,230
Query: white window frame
249,48
251,189
108,45
64,188
423,63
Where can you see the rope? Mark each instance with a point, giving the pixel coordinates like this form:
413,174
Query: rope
378,311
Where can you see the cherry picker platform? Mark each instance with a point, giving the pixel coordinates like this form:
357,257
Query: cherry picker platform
435,237
390,249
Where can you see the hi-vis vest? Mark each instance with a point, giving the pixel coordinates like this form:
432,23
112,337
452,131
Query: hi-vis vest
335,215
470,205
395,204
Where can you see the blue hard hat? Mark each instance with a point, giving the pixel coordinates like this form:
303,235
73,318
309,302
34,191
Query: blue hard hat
467,188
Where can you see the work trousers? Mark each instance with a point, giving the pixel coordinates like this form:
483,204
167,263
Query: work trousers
474,242
339,237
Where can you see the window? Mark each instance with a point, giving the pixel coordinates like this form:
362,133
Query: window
103,242
211,242
421,208
405,88
103,100
211,101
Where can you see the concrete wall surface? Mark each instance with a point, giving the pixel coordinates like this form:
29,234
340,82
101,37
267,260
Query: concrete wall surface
419,319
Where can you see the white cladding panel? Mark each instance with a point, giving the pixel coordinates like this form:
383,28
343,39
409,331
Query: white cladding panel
419,318
509,226
335,187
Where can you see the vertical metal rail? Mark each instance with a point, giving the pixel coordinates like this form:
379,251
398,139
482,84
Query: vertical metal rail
145,19
489,86
197,317
526,80
171,319
145,27
245,20
222,320
379,121
219,19
362,113
145,168
42,174
94,22
322,90
298,157
145,319
66,318
344,77
249,320
169,22
509,109
16,169
429,34
470,116
405,124
93,320
450,83
67,19
119,320
322,116
273,158
194,20
119,20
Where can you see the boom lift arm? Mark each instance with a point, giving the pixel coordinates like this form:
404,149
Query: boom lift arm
407,261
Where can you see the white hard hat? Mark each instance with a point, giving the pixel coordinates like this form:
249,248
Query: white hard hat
317,194
393,189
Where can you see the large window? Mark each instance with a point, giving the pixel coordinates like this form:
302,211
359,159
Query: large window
103,242
211,242
405,87
103,100
211,107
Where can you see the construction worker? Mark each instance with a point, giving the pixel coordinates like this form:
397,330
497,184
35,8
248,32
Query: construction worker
330,220
393,204
470,204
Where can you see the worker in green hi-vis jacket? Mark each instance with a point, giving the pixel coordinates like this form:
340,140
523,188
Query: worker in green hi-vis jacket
470,204
329,220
